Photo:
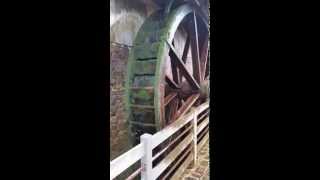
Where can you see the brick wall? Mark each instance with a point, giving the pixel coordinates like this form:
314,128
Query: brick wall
118,125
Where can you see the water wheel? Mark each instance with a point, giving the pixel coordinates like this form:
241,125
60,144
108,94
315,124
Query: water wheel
168,69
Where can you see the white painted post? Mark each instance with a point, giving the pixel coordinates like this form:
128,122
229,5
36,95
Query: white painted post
195,149
146,160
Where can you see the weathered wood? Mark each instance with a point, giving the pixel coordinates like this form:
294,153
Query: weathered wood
169,97
171,83
173,109
174,69
142,124
184,69
138,106
195,49
186,50
162,114
203,124
184,55
188,104
146,69
142,96
204,57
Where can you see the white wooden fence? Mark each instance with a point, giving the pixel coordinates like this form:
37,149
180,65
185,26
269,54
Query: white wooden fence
143,151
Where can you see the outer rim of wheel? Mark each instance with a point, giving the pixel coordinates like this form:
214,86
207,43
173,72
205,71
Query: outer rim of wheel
172,22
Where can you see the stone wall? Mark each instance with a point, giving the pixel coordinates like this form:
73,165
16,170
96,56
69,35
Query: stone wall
118,126
125,21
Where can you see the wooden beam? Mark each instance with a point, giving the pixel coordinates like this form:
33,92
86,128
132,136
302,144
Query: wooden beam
204,56
183,69
195,48
189,102
171,83
168,98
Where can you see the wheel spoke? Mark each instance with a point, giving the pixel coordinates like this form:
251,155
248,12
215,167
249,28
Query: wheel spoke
173,110
185,54
204,57
183,68
186,50
175,72
187,105
168,98
195,49
207,68
171,83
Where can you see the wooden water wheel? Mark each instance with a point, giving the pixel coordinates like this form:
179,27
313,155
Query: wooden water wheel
168,69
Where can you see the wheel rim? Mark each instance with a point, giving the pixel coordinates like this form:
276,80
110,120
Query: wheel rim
163,82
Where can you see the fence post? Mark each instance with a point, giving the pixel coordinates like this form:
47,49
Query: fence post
195,149
146,160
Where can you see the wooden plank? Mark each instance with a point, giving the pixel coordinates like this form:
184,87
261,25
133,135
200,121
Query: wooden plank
168,98
172,111
183,167
148,88
121,163
145,67
186,50
203,141
140,52
142,96
203,125
176,107
178,162
202,107
142,124
163,165
187,162
203,115
168,131
171,83
138,106
204,57
189,102
183,69
185,54
135,174
174,69
172,142
195,49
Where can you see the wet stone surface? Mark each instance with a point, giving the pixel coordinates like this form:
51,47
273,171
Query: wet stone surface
201,170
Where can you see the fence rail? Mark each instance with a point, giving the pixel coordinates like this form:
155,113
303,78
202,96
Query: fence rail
143,151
